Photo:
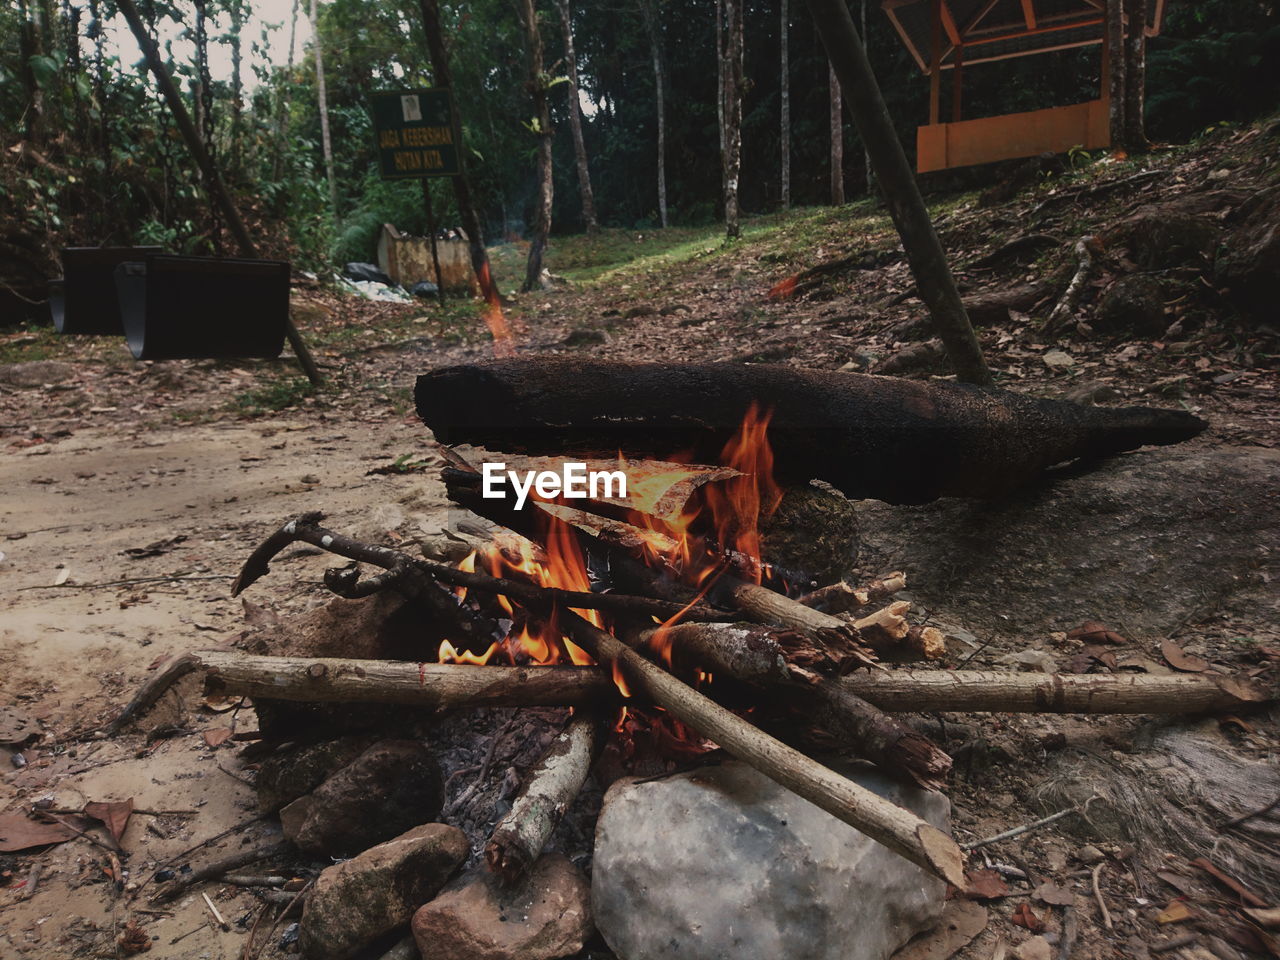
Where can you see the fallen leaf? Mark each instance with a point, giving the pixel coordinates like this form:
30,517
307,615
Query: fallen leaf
1231,883
985,885
1231,720
1179,659
1091,631
216,738
220,704
1176,912
1025,917
113,813
1269,918
961,921
1054,895
20,832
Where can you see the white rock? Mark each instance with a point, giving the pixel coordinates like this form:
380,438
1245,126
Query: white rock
722,862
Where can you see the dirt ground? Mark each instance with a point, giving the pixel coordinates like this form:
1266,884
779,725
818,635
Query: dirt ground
102,456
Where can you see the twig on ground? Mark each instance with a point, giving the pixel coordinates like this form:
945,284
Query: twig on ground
217,917
125,583
1097,895
1025,828
183,936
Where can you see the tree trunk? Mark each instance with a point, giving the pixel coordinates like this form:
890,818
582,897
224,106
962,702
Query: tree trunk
1135,77
924,252
322,96
653,27
733,83
901,441
720,79
785,72
283,101
866,154
837,139
28,47
575,122
237,12
1113,70
542,120
443,77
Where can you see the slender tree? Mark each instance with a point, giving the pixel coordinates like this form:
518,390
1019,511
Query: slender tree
837,138
866,154
541,126
326,145
575,121
1135,76
785,81
653,27
283,101
732,98
443,77
720,75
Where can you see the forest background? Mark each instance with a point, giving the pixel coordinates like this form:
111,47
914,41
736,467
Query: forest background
91,156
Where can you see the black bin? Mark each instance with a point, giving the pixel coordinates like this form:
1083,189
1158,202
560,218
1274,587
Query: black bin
83,299
187,308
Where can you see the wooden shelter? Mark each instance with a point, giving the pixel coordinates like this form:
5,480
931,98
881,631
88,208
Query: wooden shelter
956,34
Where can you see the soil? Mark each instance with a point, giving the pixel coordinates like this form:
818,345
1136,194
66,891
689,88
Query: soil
103,456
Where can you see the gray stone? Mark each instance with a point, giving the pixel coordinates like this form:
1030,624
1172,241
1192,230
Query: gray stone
546,916
721,862
356,901
389,788
1147,539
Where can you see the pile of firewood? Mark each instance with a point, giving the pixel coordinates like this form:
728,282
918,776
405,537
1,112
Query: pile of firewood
816,658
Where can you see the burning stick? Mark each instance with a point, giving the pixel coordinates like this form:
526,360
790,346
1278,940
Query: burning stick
547,793
898,829
754,656
438,685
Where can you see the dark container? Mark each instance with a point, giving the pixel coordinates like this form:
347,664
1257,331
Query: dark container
83,299
186,308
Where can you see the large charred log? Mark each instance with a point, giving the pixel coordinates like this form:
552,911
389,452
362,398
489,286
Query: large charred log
884,438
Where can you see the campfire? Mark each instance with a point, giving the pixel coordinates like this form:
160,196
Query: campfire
651,609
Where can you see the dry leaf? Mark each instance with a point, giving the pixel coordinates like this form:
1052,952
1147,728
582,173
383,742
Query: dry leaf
216,738
220,704
62,576
1050,893
1091,631
20,832
985,885
1179,659
114,814
1231,883
1025,917
1175,912
1269,918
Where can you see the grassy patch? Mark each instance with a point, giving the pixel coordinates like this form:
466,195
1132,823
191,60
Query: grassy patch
274,396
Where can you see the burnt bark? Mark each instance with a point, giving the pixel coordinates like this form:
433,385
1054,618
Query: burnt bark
542,130
589,220
894,440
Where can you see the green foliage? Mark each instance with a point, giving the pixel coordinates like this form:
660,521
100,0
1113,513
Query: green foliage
278,395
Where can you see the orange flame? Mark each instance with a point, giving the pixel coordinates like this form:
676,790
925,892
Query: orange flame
503,345
737,505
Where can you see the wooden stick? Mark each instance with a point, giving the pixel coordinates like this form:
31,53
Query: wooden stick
981,690
151,691
898,829
754,655
217,868
843,596
549,790
217,917
1097,895
437,685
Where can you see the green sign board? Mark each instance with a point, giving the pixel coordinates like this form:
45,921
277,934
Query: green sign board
414,131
